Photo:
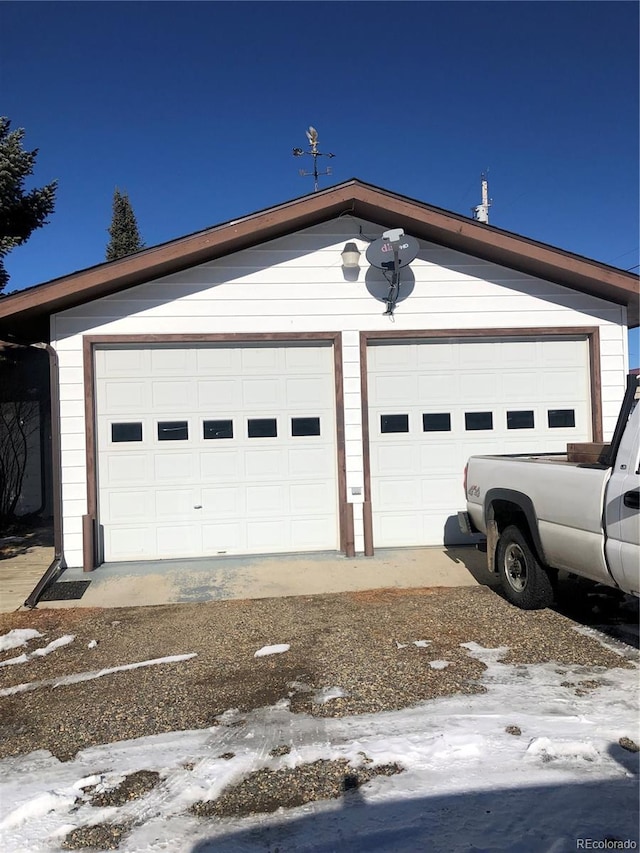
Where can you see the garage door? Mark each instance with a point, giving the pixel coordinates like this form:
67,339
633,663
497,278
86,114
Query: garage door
434,403
206,450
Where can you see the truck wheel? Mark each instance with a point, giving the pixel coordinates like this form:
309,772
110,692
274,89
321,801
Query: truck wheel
524,581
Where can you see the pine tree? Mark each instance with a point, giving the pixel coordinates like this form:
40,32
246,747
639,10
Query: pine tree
125,237
21,213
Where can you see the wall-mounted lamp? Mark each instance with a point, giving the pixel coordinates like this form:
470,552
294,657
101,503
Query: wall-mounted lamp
350,256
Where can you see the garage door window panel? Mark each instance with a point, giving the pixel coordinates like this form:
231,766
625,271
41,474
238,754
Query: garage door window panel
521,419
561,418
436,422
305,426
394,423
217,429
173,431
478,420
262,428
126,432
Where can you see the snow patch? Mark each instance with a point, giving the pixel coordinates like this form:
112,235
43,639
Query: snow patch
53,645
89,676
40,653
272,650
609,643
17,637
438,664
485,656
548,750
326,694
50,801
23,658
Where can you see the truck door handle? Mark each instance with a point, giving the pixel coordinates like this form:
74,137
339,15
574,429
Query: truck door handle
632,499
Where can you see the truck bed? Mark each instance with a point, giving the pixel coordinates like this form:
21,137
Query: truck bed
568,499
553,458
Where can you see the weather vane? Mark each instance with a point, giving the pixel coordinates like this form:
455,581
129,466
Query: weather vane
312,136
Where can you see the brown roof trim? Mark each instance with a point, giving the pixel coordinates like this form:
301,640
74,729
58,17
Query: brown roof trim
25,314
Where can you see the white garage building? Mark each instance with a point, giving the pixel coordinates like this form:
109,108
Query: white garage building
239,391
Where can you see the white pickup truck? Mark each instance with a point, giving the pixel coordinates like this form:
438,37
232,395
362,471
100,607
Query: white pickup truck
541,514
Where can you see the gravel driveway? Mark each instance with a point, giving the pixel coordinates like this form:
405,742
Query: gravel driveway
361,641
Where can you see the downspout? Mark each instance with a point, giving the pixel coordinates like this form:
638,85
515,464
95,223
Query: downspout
58,563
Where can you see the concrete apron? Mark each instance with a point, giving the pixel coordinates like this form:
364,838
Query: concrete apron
178,581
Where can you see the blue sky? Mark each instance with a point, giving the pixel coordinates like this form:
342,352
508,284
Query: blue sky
193,108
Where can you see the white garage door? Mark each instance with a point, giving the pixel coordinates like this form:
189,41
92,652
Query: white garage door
206,450
432,404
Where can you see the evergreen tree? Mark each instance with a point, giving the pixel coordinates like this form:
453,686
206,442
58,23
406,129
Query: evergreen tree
125,237
21,212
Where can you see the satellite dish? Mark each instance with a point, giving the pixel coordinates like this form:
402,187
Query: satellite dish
378,285
380,252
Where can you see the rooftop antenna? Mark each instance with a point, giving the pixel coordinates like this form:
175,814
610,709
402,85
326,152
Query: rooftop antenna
481,212
312,136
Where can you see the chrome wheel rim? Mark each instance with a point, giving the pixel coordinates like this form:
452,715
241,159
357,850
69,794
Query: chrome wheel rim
515,566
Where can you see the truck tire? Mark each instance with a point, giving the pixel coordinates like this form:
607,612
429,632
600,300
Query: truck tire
524,581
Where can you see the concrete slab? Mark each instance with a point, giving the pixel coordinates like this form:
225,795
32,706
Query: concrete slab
178,581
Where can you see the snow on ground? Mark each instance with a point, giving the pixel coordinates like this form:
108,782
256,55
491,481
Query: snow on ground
90,676
42,652
326,694
17,637
532,764
272,650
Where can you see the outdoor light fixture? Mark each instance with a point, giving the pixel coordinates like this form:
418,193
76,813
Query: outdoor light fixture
350,256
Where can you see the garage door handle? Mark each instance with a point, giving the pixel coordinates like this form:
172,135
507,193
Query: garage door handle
198,506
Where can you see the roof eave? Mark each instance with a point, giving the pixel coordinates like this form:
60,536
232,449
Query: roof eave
26,314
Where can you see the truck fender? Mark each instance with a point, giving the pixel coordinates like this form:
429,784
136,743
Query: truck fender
523,505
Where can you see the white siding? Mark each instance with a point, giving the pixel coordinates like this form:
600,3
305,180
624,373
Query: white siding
296,284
